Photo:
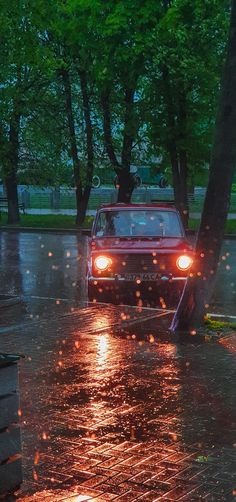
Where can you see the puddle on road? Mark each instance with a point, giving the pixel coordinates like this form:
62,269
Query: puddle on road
102,405
102,393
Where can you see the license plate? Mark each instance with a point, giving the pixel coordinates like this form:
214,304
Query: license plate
149,276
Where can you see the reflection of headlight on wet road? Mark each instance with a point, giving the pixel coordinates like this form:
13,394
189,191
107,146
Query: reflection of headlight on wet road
81,498
102,349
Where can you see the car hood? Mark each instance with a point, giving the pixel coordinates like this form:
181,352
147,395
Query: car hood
140,244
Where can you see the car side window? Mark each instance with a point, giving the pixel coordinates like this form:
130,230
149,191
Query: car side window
172,225
106,224
100,226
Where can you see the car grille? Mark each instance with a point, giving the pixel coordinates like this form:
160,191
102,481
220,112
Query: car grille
141,263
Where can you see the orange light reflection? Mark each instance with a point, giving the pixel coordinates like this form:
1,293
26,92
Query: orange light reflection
102,349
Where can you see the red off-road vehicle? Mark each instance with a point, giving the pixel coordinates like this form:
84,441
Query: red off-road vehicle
138,250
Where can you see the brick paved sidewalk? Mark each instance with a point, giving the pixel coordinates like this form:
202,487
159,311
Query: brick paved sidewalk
113,409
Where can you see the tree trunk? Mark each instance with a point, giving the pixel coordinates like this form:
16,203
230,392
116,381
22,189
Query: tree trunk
72,137
82,205
199,287
183,160
12,197
128,129
11,167
179,173
82,208
125,178
178,158
125,186
179,168
105,102
184,206
82,195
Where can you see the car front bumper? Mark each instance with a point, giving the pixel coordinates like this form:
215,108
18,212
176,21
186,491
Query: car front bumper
119,290
119,280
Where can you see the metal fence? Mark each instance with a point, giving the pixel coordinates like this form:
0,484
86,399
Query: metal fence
48,200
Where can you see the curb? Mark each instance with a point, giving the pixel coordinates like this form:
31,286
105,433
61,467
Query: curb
83,231
222,317
8,301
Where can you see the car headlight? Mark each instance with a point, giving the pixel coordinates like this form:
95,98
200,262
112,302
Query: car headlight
184,262
102,262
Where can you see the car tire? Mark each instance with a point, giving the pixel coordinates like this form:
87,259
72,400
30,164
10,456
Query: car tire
163,182
92,293
138,181
96,182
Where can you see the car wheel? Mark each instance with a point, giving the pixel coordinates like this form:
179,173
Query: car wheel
92,293
96,182
138,181
163,182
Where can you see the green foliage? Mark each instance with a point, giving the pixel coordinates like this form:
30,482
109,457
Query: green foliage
191,43
218,325
229,229
48,221
120,45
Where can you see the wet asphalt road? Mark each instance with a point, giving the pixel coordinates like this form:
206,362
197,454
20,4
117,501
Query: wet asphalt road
112,408
53,266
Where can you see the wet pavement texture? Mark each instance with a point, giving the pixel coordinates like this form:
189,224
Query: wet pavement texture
50,265
111,407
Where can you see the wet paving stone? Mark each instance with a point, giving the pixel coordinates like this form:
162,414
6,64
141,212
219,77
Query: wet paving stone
112,408
132,390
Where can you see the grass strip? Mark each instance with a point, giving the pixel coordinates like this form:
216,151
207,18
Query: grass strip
218,325
65,221
48,221
229,229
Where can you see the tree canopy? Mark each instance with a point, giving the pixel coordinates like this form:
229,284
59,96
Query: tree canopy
87,83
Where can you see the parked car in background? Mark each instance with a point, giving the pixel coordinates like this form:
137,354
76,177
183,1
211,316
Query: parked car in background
138,251
143,175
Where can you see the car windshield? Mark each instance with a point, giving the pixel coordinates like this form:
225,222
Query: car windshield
138,223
